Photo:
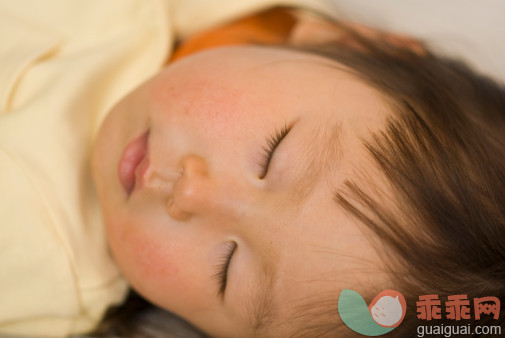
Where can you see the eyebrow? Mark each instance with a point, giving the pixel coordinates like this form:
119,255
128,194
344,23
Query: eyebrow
263,304
321,152
322,149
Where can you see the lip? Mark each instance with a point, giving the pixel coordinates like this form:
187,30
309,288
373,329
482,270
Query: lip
133,162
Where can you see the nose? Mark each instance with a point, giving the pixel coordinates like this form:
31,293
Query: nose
195,191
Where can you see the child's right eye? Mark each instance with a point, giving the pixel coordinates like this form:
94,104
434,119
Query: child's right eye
272,143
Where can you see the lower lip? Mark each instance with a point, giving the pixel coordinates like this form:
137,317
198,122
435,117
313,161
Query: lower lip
133,154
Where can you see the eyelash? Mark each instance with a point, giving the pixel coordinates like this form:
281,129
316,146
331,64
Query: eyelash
272,143
221,275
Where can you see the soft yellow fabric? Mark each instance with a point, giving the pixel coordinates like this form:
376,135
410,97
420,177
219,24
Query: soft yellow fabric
63,63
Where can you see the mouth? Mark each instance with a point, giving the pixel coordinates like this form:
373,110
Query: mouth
133,160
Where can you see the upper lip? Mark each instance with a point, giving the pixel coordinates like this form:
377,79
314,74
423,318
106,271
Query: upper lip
133,162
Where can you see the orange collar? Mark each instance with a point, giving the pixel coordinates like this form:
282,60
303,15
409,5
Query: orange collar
269,27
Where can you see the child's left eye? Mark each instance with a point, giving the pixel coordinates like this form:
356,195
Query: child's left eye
221,275
272,143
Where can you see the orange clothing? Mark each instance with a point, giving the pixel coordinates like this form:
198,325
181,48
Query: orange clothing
268,27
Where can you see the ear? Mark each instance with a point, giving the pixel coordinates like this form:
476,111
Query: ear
311,29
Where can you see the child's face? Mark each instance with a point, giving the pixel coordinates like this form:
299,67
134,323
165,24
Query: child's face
203,186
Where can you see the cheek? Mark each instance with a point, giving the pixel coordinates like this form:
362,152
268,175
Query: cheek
206,102
159,262
144,257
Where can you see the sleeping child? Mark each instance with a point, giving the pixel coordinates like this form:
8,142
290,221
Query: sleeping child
274,161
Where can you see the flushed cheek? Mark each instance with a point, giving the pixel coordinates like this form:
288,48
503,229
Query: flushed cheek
199,100
142,256
155,265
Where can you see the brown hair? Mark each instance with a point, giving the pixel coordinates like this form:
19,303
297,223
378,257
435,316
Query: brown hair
443,154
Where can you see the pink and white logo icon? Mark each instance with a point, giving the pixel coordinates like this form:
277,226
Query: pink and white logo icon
388,308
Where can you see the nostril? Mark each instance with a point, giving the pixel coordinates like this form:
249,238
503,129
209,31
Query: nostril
193,165
159,178
176,212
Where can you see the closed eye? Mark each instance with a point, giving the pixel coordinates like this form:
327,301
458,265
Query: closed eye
272,143
221,275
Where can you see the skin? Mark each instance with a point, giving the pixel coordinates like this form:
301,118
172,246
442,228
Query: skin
209,117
